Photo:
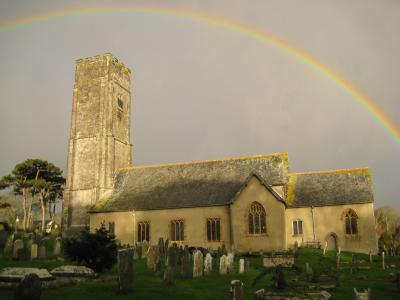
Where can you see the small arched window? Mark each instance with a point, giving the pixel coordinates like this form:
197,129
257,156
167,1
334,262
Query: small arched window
256,218
350,220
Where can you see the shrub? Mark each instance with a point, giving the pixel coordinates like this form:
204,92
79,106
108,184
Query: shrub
95,250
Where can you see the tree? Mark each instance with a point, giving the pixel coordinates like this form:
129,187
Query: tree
96,250
38,177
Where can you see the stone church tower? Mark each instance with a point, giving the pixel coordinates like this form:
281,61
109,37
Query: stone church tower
99,141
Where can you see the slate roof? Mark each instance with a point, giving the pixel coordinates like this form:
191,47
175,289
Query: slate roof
193,184
349,186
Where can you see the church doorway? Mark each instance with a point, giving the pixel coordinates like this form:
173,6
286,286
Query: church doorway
331,241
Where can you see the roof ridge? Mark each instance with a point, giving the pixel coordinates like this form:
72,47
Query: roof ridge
203,161
331,171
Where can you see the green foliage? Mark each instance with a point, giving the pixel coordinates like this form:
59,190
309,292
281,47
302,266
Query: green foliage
95,250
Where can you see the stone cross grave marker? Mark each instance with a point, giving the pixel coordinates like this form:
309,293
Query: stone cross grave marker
236,291
34,251
125,269
197,264
208,265
223,265
18,244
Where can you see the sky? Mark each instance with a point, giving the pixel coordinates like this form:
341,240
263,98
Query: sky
204,91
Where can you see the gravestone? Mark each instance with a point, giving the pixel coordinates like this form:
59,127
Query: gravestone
151,257
57,247
309,270
208,265
241,266
325,247
246,265
370,256
145,248
236,291
186,267
223,265
42,249
197,264
34,251
231,261
29,243
135,252
383,260
362,296
18,244
338,261
172,260
139,250
8,248
23,254
161,246
125,269
29,288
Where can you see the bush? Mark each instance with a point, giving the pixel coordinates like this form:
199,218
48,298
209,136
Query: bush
95,250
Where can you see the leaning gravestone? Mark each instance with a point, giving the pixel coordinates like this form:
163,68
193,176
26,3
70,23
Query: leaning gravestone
223,265
57,247
236,290
151,257
18,244
198,264
186,267
230,263
34,251
208,265
29,288
125,269
42,249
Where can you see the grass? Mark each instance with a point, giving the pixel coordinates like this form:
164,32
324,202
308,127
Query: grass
148,286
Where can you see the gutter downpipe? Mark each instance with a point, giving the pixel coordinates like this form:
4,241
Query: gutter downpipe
313,223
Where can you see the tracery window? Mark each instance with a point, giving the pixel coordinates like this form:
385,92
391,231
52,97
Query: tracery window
297,227
177,230
256,218
213,230
143,231
350,220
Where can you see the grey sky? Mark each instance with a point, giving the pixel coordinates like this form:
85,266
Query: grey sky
201,91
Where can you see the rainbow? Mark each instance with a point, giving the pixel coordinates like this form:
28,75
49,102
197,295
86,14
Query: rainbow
372,108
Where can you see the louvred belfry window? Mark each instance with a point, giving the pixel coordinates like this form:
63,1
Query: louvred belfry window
257,219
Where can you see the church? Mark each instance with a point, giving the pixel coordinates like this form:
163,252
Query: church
251,203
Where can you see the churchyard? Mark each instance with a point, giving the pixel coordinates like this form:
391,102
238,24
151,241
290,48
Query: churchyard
166,271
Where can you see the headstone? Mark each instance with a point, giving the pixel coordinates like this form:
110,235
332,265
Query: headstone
135,252
362,296
241,265
29,243
161,246
145,247
42,249
208,265
57,247
383,260
172,260
339,250
370,256
8,248
309,270
186,267
246,265
166,245
231,261
139,250
223,265
151,257
34,251
259,294
125,269
338,261
29,288
325,247
197,264
23,254
236,290
18,244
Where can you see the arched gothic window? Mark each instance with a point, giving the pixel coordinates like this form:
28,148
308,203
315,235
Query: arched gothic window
350,220
257,216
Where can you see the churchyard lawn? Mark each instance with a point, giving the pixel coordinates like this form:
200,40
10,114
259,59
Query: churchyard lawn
149,286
